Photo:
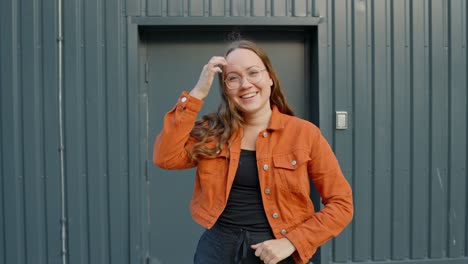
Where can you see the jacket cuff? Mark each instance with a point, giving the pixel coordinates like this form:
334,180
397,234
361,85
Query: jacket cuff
189,102
304,251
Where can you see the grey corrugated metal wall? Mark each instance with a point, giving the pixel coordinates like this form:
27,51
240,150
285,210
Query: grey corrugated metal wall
98,148
29,158
398,67
97,145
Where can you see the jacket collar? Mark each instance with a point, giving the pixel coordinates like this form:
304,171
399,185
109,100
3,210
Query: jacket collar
276,120
276,123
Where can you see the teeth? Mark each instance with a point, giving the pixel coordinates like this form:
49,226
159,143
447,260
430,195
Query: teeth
248,95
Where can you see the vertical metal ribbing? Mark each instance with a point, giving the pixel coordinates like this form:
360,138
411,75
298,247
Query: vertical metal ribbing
63,218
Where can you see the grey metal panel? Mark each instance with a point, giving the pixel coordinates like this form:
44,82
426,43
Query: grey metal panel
279,8
362,109
260,8
300,8
2,207
239,8
457,228
196,7
13,227
382,131
133,7
420,131
2,110
423,261
176,8
439,129
32,134
217,8
95,130
51,155
342,89
75,162
325,38
325,79
117,135
156,7
401,95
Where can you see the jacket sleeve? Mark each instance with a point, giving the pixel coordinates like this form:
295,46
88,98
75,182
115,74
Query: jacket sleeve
336,195
170,150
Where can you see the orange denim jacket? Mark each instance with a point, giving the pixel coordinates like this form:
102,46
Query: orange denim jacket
288,152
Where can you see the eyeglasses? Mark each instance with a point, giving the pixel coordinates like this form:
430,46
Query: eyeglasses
234,81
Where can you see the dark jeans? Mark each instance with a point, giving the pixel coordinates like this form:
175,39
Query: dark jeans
221,245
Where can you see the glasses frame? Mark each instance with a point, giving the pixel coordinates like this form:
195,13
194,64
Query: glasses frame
243,77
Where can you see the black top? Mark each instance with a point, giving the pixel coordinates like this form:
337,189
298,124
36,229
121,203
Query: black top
244,209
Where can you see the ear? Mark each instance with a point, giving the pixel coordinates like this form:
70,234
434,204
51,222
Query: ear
271,82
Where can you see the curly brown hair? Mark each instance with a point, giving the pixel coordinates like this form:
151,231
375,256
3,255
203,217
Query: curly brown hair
212,132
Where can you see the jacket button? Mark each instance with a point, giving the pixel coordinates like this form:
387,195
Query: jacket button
267,191
183,99
265,134
275,215
265,167
294,162
283,232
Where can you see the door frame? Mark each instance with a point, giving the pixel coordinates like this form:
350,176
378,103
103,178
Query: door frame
138,105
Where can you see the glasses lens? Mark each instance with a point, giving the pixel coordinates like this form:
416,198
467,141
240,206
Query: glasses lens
254,75
233,81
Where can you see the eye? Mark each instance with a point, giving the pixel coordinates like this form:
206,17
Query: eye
232,78
253,73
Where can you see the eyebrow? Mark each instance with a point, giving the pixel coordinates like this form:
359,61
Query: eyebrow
240,67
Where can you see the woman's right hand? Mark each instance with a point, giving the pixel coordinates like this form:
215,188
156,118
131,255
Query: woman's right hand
203,86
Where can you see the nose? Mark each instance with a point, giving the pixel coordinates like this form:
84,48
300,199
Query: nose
244,81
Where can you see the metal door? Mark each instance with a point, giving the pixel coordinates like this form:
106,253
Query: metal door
174,60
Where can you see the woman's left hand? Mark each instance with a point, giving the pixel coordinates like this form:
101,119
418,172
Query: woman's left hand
274,251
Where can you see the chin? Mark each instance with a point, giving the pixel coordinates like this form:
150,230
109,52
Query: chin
250,109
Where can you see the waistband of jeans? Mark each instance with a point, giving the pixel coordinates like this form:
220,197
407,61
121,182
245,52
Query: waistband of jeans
236,232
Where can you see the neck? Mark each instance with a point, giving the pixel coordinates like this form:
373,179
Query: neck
258,119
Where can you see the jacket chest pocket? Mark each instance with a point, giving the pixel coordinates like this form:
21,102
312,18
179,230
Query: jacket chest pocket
291,168
213,170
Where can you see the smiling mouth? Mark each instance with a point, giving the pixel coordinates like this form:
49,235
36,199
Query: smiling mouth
249,95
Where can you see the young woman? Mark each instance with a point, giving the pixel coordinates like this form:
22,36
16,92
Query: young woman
254,160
